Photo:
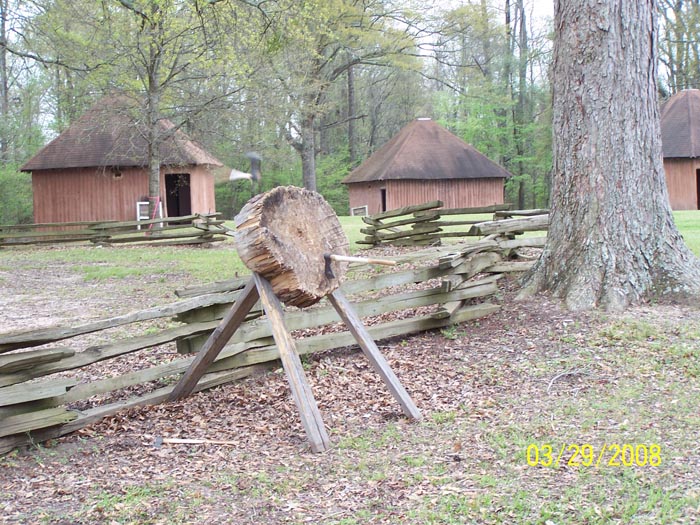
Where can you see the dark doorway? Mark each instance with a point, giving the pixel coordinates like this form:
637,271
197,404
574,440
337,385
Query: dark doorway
178,199
697,189
383,197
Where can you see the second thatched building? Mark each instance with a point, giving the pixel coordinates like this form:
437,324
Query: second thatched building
680,134
425,162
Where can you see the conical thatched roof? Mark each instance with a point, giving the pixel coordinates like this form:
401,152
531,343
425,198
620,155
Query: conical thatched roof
108,135
425,150
680,125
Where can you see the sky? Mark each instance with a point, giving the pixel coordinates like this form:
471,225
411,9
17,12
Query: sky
542,8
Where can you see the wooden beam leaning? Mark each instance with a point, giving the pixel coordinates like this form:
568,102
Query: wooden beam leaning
217,340
301,391
369,347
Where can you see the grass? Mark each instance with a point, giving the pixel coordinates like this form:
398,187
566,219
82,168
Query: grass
688,223
626,380
644,399
352,227
206,265
99,263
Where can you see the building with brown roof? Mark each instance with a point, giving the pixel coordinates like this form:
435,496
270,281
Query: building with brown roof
680,135
97,169
425,162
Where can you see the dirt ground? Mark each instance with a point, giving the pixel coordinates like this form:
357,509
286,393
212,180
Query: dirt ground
529,374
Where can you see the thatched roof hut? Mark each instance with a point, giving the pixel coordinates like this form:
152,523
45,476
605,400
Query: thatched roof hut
425,162
680,135
97,169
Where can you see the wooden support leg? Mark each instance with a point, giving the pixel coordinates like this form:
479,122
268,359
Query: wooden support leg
301,391
216,342
369,347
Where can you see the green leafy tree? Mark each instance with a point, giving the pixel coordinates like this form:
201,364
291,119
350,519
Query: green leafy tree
175,60
492,91
679,47
15,195
310,46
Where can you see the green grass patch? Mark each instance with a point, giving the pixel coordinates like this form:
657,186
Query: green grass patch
688,223
351,227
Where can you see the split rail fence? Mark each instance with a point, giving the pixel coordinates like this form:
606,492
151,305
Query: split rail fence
190,229
48,389
426,224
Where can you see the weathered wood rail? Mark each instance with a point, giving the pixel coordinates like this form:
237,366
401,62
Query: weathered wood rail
425,224
48,389
190,229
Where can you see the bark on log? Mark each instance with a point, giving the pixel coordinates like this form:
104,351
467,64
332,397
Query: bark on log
283,235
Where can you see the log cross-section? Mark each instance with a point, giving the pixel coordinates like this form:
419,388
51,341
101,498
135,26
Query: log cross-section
283,235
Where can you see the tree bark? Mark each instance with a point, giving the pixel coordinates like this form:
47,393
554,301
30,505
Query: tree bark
153,87
4,84
612,240
352,136
307,150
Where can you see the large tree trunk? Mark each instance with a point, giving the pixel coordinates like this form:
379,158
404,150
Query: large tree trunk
154,141
307,150
4,83
612,240
352,136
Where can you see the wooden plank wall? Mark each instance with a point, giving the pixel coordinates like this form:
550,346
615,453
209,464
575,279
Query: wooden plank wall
461,193
682,180
366,193
96,194
86,194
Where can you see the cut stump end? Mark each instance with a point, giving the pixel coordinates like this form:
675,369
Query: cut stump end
283,235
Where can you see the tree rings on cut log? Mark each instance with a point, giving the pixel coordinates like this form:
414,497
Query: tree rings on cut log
283,235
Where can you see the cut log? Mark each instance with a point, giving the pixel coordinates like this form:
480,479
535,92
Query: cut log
25,360
525,224
24,392
407,209
283,235
33,420
23,339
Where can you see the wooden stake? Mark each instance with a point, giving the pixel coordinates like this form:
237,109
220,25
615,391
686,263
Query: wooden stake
301,391
366,260
216,342
369,347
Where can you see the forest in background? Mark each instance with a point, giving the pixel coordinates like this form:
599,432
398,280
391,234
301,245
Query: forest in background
313,86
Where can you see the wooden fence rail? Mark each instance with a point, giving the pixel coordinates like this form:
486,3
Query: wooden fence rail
425,224
48,389
190,229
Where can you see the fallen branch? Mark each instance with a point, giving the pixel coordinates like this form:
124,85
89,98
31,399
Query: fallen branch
564,374
159,441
